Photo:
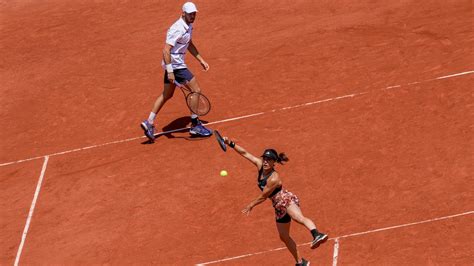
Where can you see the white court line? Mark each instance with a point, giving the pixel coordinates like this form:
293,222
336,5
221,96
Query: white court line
336,252
454,75
235,118
239,117
405,225
344,236
32,209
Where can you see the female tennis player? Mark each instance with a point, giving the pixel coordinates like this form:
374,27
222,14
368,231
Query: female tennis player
286,204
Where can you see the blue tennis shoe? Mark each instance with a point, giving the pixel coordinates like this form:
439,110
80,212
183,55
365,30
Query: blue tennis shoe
199,130
149,130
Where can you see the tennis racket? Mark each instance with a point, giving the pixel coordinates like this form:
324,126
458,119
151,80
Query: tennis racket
220,140
197,102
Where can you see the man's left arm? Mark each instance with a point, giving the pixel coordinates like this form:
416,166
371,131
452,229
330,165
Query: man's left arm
193,50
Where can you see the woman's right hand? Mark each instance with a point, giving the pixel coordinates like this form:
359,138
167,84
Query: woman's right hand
226,140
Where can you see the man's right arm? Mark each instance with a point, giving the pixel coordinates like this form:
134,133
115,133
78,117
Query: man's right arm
167,54
167,60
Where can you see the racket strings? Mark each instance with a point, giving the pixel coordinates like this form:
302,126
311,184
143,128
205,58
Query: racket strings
198,103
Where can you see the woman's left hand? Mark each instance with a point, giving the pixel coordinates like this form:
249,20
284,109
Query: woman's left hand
247,210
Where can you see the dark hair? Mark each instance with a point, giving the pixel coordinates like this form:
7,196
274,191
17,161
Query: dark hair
282,158
272,154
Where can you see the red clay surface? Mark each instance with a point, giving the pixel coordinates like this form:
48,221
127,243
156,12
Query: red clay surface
440,243
17,187
80,73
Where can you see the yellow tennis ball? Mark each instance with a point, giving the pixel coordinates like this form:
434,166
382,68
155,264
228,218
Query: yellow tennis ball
223,173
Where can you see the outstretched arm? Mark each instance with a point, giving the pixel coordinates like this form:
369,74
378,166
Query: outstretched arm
244,153
193,50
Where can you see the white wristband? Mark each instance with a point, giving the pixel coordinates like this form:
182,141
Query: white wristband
169,68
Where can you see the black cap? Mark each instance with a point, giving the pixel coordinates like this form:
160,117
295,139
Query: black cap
270,153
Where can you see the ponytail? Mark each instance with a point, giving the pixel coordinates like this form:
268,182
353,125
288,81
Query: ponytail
282,158
273,154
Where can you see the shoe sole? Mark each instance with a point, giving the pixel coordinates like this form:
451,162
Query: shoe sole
321,241
199,134
145,129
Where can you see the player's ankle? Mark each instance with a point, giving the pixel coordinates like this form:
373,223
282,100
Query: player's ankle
194,120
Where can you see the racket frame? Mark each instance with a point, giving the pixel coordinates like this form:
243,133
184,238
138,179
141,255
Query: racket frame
220,140
187,92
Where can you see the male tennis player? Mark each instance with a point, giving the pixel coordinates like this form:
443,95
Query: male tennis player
285,203
178,41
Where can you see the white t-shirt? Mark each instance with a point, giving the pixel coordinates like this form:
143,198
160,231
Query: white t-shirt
179,36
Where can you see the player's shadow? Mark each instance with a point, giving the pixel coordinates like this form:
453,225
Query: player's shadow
179,125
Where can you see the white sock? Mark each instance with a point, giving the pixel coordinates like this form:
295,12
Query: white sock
151,118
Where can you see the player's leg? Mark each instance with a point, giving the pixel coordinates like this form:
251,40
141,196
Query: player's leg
194,85
147,125
297,215
167,94
284,232
283,226
197,128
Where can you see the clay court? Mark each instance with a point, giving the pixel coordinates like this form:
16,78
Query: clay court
372,101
